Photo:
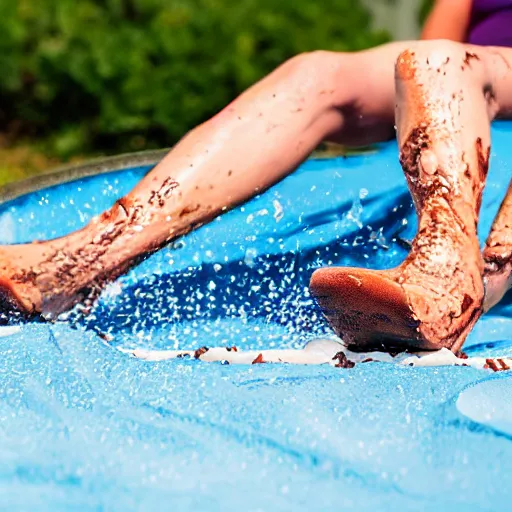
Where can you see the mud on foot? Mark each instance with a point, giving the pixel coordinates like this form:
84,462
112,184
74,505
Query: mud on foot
371,310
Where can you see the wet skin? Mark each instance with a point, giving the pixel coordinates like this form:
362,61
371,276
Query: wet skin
445,94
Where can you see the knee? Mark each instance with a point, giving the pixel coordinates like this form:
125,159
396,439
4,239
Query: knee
316,71
431,56
313,61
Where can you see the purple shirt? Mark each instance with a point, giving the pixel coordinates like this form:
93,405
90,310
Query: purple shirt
491,23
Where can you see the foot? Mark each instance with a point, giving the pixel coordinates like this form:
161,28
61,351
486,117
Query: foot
41,280
19,296
46,279
429,302
367,309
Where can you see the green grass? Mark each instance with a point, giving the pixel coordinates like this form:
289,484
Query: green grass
25,159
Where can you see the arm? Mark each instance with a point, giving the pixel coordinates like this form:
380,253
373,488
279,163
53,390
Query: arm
449,19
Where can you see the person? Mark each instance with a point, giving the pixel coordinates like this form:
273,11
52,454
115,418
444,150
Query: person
446,94
480,22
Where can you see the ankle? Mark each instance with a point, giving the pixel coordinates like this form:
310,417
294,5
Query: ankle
447,235
442,275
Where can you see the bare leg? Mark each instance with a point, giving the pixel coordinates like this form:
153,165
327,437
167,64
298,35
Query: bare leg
498,254
256,141
447,94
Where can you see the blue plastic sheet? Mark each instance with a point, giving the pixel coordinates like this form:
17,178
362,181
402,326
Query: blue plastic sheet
84,426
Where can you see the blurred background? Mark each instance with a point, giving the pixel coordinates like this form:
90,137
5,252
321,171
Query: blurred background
84,78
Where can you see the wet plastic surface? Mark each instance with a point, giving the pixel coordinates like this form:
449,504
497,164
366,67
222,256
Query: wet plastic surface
84,426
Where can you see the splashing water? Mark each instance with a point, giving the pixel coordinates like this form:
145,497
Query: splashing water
85,426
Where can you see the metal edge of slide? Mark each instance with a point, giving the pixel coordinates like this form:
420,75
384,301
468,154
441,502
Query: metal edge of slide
73,172
102,165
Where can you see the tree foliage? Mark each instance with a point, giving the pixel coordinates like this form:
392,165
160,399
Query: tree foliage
123,74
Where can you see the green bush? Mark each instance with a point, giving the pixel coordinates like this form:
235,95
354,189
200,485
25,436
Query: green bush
124,74
424,10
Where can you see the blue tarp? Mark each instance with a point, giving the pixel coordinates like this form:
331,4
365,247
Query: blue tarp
84,426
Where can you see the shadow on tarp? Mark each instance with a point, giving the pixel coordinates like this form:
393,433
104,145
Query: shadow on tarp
84,426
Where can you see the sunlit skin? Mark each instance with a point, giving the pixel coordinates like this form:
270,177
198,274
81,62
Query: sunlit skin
444,95
448,19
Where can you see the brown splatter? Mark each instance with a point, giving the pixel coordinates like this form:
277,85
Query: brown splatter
159,196
104,336
417,141
189,209
483,158
466,303
259,359
124,204
478,204
489,363
495,262
367,360
496,365
504,366
122,212
343,361
468,57
200,351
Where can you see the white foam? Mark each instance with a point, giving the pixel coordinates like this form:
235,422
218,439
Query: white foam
8,330
323,351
